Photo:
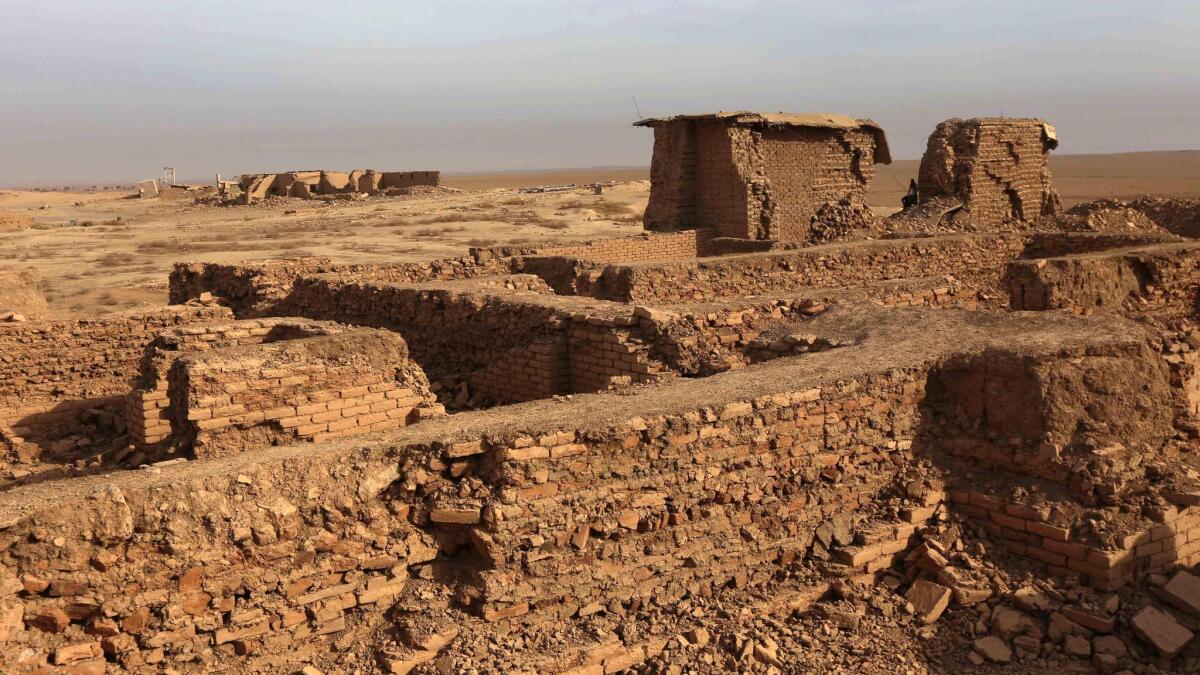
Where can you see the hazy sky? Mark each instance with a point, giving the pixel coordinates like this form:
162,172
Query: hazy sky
114,90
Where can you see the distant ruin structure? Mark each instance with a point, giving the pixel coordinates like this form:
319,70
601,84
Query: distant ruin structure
758,175
309,184
996,166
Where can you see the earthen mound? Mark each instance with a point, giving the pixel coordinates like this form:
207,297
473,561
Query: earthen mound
1107,215
20,298
1178,216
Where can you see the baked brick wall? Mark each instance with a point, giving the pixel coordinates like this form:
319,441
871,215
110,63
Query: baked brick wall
149,414
1024,530
555,507
227,400
51,371
806,168
672,179
403,179
1053,244
707,497
650,246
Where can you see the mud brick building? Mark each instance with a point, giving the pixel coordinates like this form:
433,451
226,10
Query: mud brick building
757,175
996,166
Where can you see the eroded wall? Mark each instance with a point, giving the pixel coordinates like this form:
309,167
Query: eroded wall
997,167
751,183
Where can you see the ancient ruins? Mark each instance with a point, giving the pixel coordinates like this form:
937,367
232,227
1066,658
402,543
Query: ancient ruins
712,447
996,167
758,175
310,184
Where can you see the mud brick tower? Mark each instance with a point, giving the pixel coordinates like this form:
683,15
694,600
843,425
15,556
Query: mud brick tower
757,175
996,166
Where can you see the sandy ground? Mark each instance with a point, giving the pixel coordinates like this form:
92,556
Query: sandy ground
102,252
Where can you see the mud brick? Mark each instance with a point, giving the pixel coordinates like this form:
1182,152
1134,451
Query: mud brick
325,593
1161,630
1096,620
929,599
462,516
1183,591
1048,531
76,652
225,635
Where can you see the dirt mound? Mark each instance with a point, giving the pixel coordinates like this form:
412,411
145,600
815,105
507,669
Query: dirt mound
844,220
20,297
10,221
1108,215
1178,216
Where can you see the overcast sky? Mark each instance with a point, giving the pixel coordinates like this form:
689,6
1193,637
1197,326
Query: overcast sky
114,90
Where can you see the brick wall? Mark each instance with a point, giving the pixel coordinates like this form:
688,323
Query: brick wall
314,388
149,414
51,371
975,260
1160,282
1024,530
753,183
650,246
996,166
555,508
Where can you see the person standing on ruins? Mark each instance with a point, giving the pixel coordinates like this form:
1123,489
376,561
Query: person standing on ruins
910,200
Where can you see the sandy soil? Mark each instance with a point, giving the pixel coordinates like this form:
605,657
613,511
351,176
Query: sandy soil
101,252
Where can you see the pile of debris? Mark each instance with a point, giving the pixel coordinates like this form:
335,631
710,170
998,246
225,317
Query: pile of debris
1107,215
844,220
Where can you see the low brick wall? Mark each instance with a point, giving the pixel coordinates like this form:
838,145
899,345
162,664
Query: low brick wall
52,371
1159,281
975,260
683,245
1053,244
1024,531
228,400
555,508
149,413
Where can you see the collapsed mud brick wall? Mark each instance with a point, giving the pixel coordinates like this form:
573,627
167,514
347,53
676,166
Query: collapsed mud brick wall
309,184
757,176
996,166
51,372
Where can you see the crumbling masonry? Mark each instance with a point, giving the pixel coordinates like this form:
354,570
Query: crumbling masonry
375,466
309,184
995,166
758,175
